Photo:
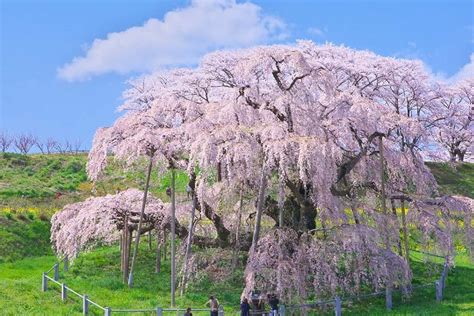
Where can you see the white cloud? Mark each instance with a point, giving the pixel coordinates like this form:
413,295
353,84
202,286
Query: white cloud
467,71
181,38
317,31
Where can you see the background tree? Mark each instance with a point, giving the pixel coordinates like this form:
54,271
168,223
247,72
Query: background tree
5,141
40,145
24,143
455,128
51,145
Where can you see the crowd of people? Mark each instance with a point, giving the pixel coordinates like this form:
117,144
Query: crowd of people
255,307
257,303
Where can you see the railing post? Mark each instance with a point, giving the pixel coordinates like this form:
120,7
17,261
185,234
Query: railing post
159,311
56,271
63,292
388,298
44,283
107,311
338,306
220,310
439,291
281,310
66,264
85,305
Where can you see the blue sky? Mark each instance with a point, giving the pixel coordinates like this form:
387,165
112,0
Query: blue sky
57,82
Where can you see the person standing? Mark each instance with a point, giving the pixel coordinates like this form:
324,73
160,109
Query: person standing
245,307
213,303
273,301
188,312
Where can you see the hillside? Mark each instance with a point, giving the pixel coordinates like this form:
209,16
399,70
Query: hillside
33,187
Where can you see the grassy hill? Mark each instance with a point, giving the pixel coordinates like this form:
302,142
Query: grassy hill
33,187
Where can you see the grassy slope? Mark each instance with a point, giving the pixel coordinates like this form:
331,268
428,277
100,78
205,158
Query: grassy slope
97,274
27,189
458,179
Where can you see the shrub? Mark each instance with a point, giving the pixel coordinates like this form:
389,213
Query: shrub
21,217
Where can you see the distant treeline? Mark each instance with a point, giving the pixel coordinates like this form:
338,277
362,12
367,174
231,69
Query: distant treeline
28,142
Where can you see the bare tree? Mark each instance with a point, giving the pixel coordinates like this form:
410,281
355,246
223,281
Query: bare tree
64,148
40,145
51,145
77,146
67,147
5,141
59,147
24,143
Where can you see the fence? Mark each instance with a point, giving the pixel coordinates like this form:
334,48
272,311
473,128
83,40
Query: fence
337,302
87,303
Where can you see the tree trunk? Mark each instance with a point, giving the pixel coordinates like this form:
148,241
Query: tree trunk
173,232
461,155
260,204
137,238
184,280
219,172
237,232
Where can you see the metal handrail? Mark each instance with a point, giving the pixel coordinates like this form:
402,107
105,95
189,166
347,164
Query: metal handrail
74,292
51,279
313,304
97,305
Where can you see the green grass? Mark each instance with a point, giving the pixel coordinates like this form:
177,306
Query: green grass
40,176
454,179
33,181
28,185
97,275
23,235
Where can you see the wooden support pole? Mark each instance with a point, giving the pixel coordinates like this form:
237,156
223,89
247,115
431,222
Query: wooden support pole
405,232
173,232
443,275
158,251
189,242
149,240
260,205
137,237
